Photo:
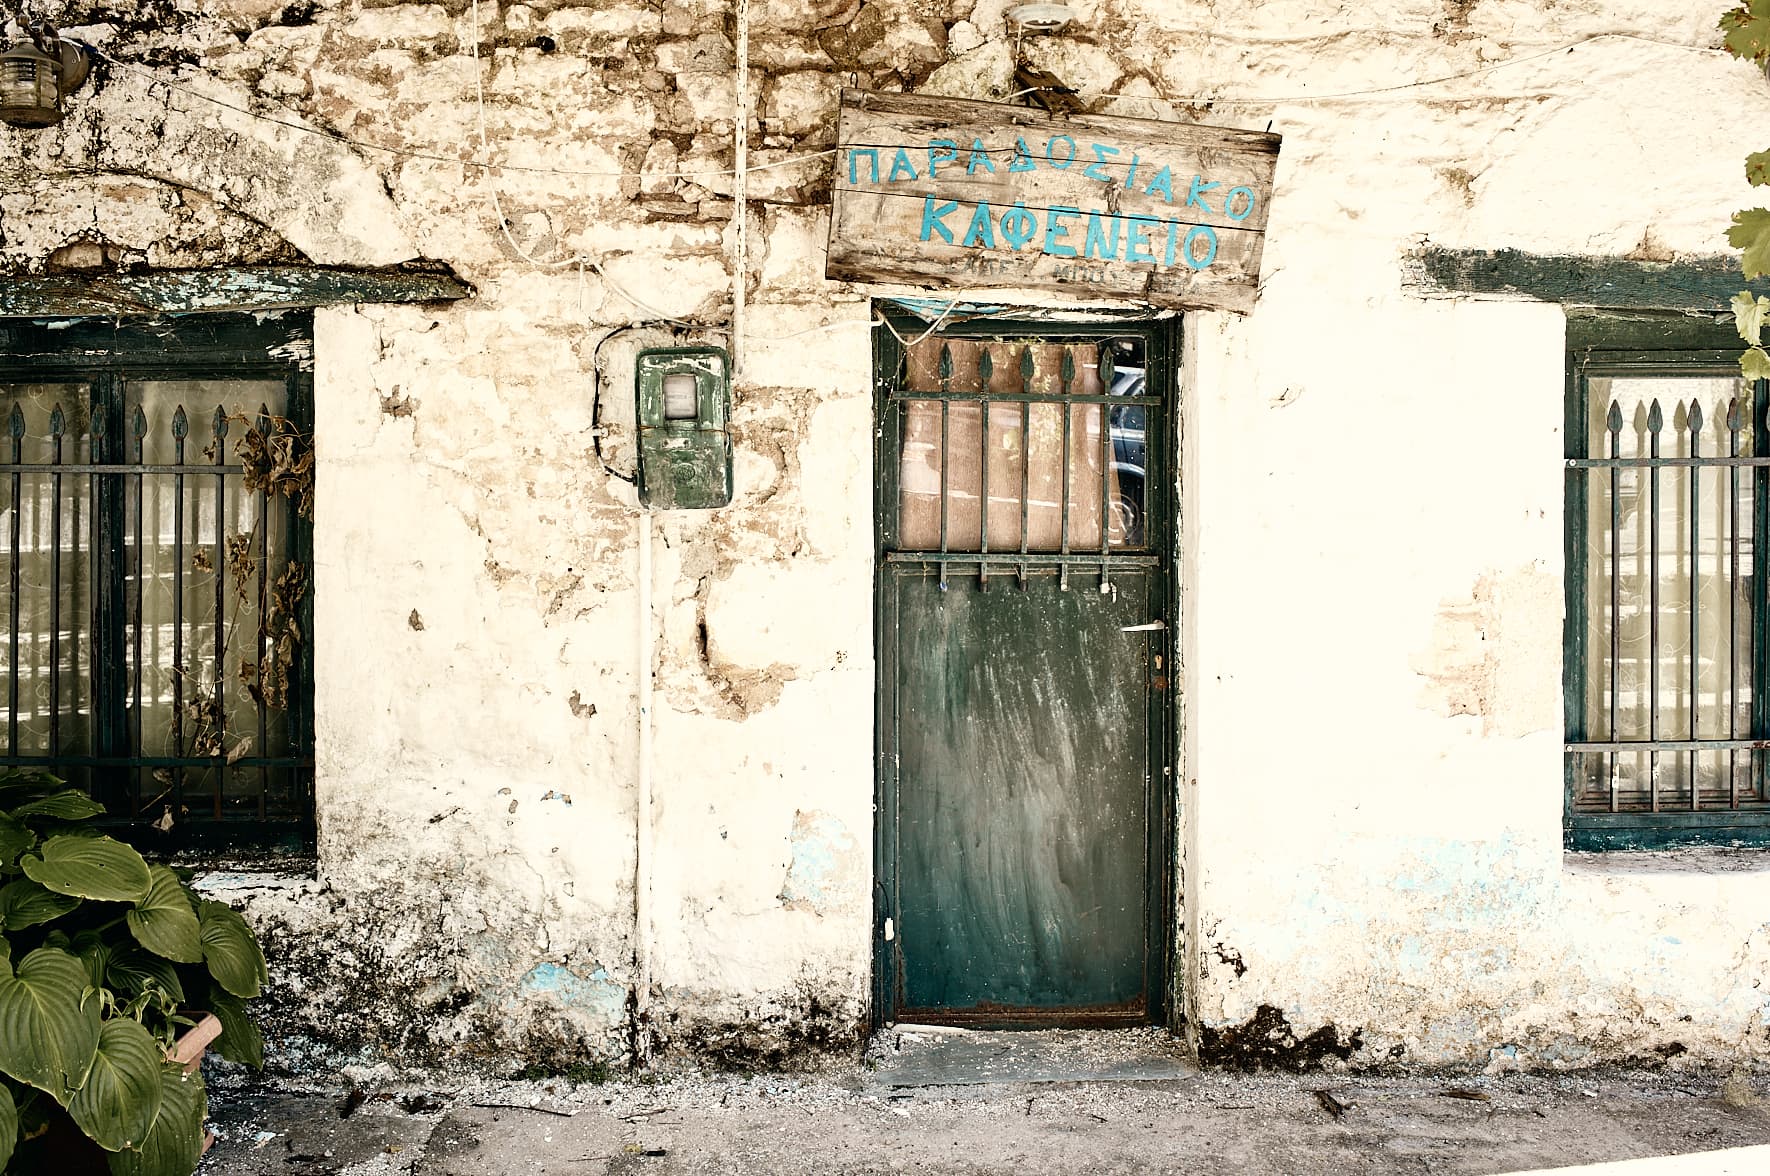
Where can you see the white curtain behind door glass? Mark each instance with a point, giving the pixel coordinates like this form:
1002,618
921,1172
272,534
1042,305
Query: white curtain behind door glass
1699,596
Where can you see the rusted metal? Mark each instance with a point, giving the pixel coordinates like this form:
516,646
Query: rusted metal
1005,1016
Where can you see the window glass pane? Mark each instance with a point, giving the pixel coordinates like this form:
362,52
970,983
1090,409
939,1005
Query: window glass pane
1669,590
1065,483
46,531
212,596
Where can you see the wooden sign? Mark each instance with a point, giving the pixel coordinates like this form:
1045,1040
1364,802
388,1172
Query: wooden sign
947,193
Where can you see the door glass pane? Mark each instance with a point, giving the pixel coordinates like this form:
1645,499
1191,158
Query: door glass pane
1668,591
1051,486
212,596
45,540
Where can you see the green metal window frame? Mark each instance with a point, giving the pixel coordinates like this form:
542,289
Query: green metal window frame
1647,344
102,355
1162,342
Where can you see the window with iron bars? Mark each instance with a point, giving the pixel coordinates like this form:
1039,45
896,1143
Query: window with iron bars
1668,494
156,502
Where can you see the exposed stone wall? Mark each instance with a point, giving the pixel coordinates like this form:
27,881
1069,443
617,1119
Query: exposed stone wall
476,589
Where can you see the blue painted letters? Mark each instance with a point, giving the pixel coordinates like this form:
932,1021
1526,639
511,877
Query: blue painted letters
981,231
1096,243
932,217
1055,231
1195,198
854,154
940,151
1101,155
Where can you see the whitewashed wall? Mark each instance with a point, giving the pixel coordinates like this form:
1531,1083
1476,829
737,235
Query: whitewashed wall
1372,502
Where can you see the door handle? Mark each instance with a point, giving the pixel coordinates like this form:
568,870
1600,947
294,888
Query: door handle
1146,627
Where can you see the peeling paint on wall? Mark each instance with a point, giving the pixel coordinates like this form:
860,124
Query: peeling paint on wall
823,860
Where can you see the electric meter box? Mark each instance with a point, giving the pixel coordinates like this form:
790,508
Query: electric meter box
684,415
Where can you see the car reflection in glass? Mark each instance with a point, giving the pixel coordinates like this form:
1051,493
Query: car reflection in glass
1128,423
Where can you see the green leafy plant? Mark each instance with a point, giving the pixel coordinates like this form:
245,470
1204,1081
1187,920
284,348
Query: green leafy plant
1746,30
103,958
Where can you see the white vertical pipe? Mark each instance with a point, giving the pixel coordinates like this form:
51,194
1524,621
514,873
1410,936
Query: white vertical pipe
642,864
740,188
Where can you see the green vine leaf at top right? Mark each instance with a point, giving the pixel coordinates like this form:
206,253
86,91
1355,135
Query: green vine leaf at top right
1746,30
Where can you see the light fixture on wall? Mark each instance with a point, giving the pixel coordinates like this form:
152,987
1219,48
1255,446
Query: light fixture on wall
35,72
1027,20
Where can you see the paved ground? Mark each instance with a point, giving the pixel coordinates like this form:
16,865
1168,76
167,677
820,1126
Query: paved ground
981,1104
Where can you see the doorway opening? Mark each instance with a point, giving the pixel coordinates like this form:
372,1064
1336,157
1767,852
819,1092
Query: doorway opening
1025,611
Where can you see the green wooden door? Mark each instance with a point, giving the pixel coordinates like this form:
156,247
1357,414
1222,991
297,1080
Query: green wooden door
1024,642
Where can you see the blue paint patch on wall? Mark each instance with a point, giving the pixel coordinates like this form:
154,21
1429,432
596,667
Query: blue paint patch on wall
823,852
595,993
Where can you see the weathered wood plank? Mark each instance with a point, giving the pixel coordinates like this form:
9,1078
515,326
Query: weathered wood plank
944,192
245,288
1696,283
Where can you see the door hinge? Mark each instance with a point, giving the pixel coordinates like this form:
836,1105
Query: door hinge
890,930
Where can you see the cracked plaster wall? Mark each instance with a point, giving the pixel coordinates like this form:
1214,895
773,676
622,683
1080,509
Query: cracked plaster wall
476,582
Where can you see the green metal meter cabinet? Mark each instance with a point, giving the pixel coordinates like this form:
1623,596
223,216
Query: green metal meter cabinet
684,431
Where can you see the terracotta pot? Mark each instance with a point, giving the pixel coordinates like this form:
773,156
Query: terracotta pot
194,1042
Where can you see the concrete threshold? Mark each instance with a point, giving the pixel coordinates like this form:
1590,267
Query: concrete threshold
907,1055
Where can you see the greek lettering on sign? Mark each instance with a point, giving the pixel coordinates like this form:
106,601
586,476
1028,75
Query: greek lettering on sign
1071,232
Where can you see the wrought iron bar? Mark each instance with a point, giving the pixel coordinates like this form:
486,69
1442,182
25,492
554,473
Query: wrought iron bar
1655,420
219,719
946,490
1733,423
985,369
1598,463
1068,375
263,425
1026,381
1613,423
138,427
57,426
1657,745
1693,419
1077,559
1103,368
180,430
114,467
15,428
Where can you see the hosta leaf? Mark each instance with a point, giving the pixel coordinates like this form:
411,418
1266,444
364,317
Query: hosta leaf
47,1038
95,956
174,1143
99,868
1750,234
14,840
8,1126
230,949
18,785
130,971
164,922
24,903
68,805
121,1097
240,1040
